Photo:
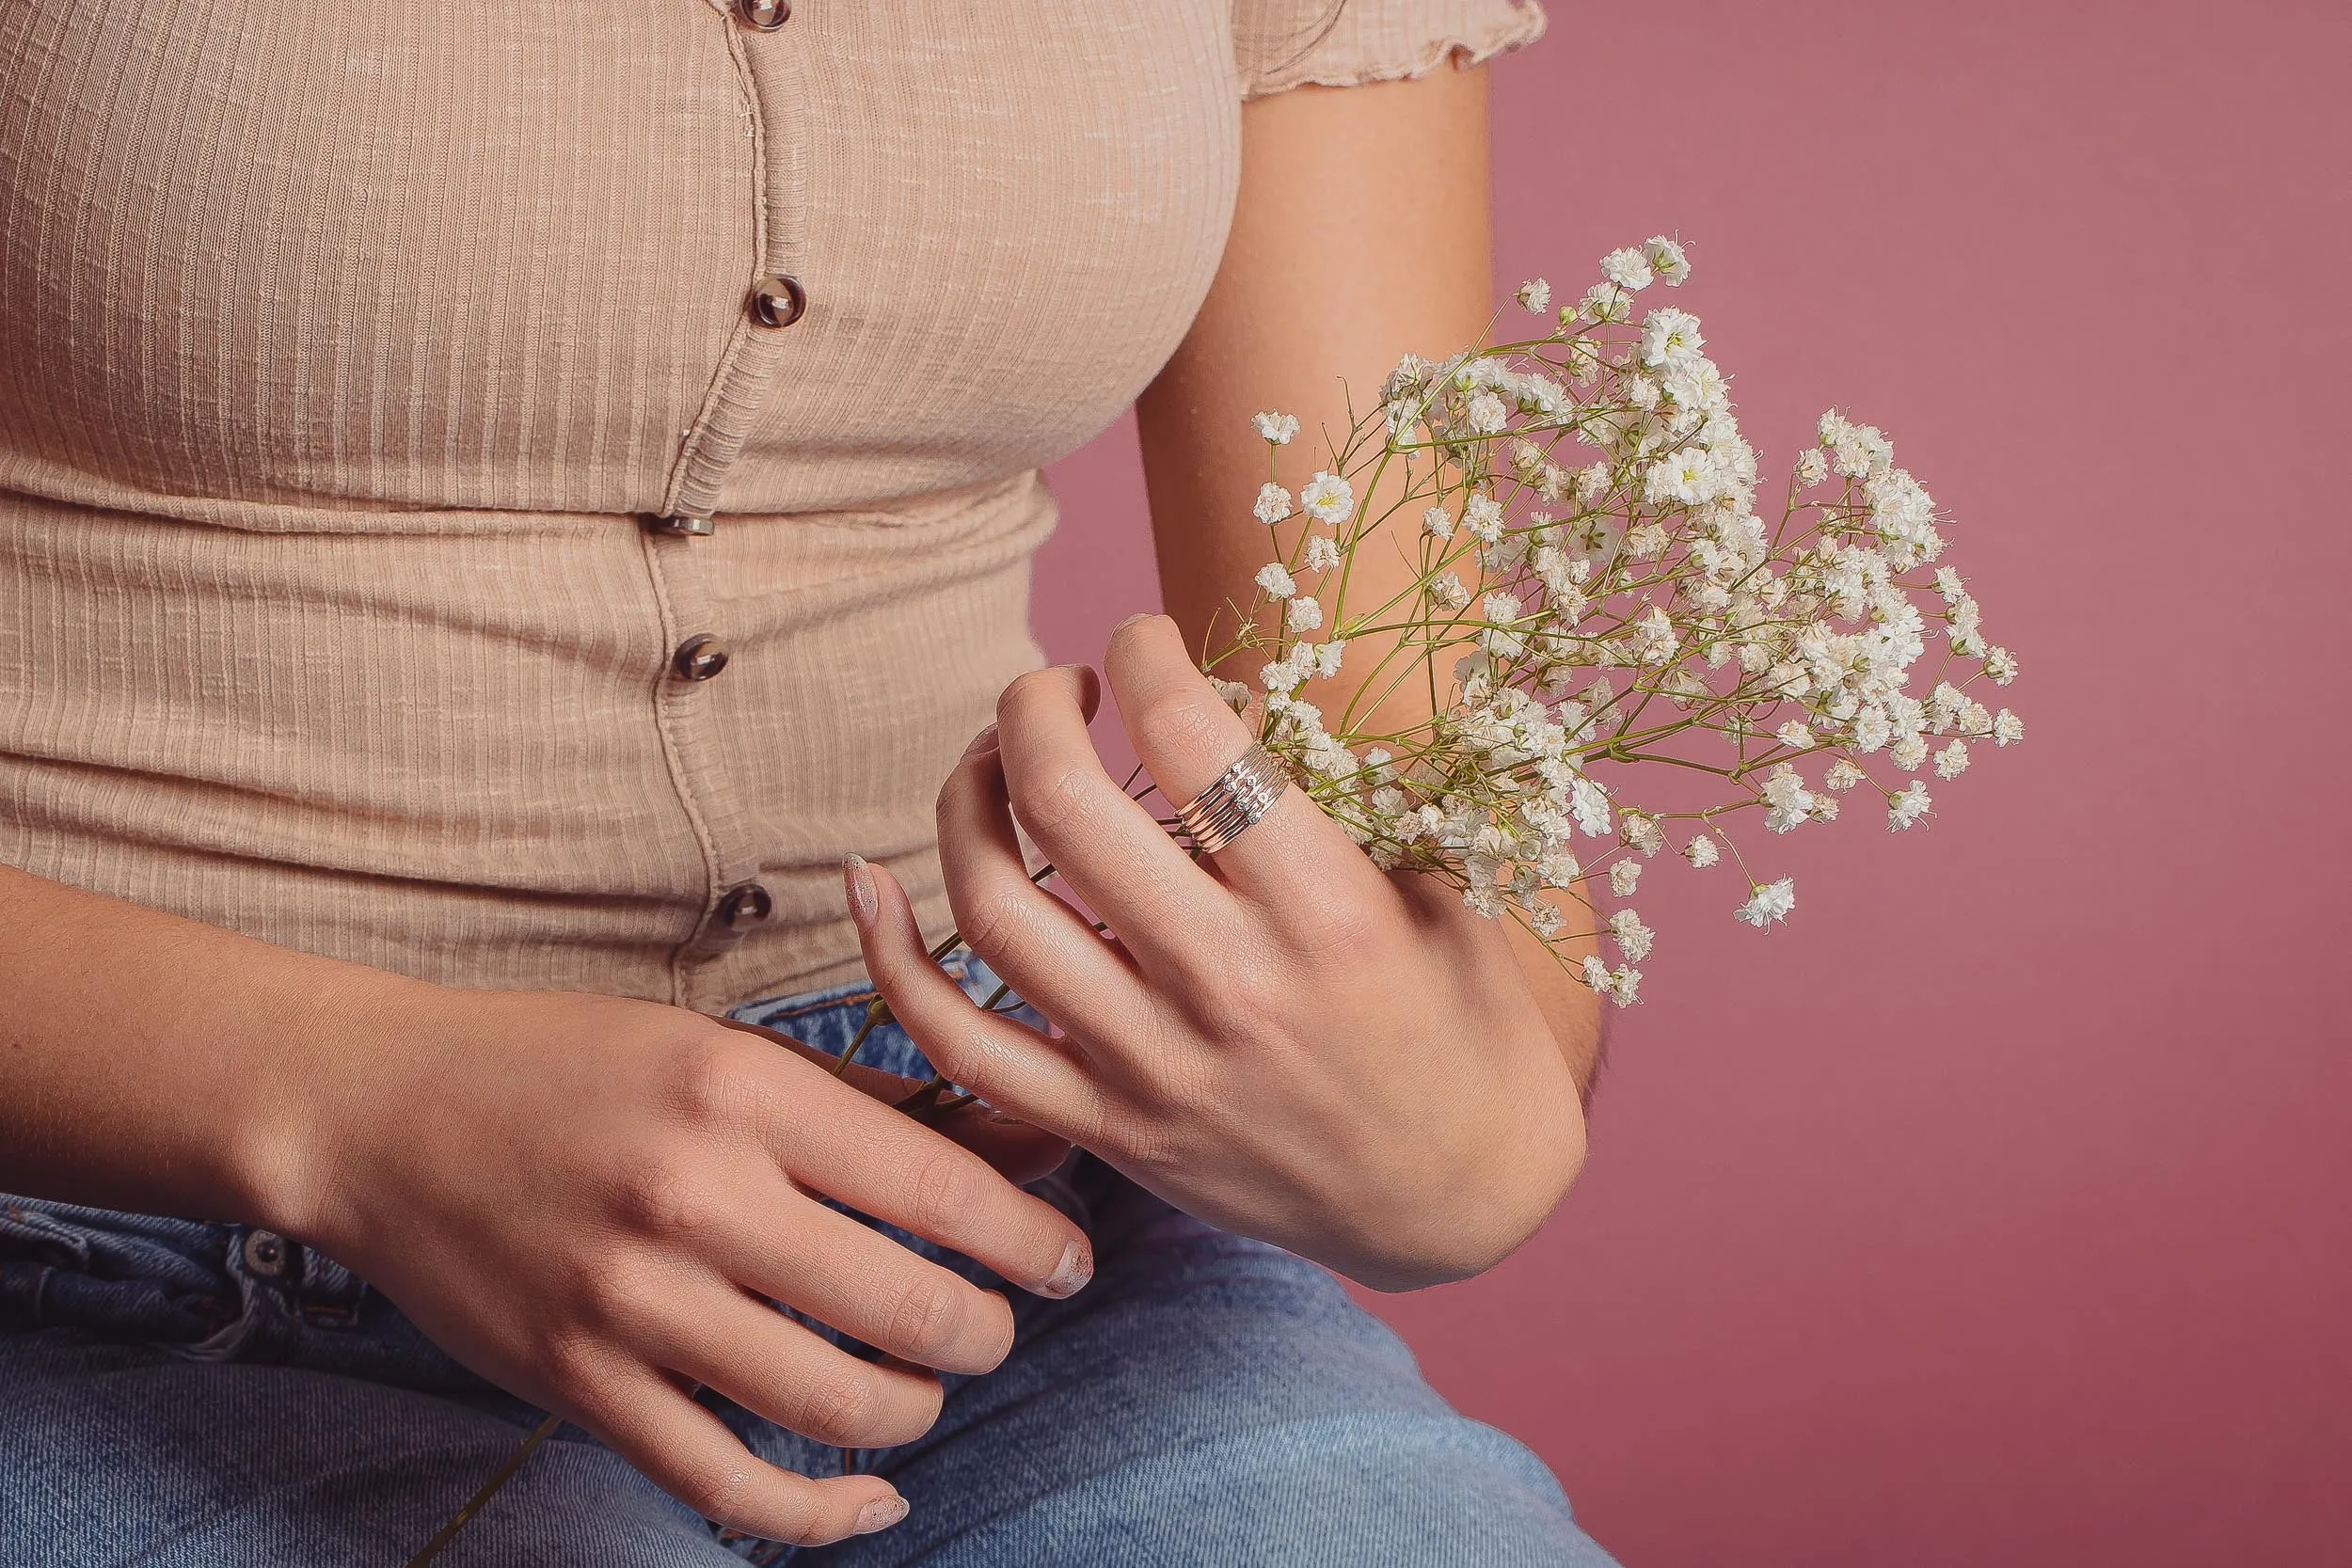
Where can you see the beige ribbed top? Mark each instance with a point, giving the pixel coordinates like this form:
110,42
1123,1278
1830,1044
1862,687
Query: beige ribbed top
346,352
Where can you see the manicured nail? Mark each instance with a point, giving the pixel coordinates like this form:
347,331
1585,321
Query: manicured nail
857,885
982,743
880,1513
1077,1267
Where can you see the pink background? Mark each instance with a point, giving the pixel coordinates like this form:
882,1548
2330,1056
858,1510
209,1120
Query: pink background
1995,1210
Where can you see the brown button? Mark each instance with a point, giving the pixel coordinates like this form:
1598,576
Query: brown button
763,16
778,301
699,657
747,905
683,524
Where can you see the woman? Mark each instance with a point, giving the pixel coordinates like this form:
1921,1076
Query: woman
499,502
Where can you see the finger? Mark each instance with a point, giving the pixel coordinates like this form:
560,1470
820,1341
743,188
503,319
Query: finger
688,1452
1017,1150
765,1362
1294,859
1050,953
883,1162
1016,1067
1110,850
854,1278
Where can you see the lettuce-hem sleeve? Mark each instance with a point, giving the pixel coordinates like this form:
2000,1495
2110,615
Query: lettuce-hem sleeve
1277,47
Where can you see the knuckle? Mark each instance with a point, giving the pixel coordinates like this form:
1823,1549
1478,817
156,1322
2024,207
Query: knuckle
990,923
1184,720
837,1410
667,1196
1053,803
944,1189
926,1320
615,1293
713,1488
707,1079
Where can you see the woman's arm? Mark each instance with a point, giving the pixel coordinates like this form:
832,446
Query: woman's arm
580,1197
1361,234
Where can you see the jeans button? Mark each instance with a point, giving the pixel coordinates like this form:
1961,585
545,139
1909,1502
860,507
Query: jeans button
267,1253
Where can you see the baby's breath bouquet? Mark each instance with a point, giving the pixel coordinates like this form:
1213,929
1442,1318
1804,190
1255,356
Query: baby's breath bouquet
1614,653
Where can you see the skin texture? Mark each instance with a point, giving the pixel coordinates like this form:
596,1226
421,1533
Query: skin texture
579,1195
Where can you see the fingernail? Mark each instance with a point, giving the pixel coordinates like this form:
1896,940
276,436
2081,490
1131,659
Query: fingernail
880,1513
857,885
982,743
1077,1267
1138,615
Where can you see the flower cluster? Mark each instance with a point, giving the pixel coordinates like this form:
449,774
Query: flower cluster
1567,613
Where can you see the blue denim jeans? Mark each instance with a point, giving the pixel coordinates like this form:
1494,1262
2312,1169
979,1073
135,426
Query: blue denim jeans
181,1394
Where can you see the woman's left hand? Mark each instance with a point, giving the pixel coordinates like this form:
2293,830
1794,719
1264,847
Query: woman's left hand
1278,1038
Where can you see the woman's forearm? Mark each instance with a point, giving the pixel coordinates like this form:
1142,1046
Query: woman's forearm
151,1063
1303,301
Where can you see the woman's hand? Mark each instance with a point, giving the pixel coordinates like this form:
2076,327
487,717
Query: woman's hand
584,1197
1280,1039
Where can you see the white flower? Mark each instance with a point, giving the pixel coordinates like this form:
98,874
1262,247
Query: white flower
1447,593
1323,553
1909,754
1232,693
1437,523
1768,903
2007,727
1482,519
1633,938
1606,302
1558,869
1535,295
2001,665
1274,503
1277,428
1670,336
1907,807
1326,499
1275,579
1687,475
1787,800
1794,734
1701,853
1843,774
1280,676
1623,877
1811,468
1588,804
1952,761
1666,258
1641,833
1304,614
1629,269
1328,664
1623,985
1488,413
1596,975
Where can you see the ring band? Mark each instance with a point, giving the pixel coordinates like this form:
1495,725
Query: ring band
1242,795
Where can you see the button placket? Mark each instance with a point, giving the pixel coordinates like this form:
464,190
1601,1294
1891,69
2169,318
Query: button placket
777,292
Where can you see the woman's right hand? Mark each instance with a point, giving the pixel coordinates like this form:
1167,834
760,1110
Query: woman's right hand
585,1197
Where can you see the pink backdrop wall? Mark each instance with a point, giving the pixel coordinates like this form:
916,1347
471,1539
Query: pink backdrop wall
1998,1210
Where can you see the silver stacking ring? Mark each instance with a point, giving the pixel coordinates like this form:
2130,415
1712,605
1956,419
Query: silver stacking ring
1242,795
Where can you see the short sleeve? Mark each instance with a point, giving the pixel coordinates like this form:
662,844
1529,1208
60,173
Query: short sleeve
1288,44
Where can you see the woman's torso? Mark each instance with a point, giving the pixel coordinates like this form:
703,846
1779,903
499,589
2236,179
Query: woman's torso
350,350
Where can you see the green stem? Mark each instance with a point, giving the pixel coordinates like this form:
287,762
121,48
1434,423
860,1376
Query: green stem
473,1505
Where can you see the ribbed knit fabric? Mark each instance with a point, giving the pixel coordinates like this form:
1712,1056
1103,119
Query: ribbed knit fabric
347,349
